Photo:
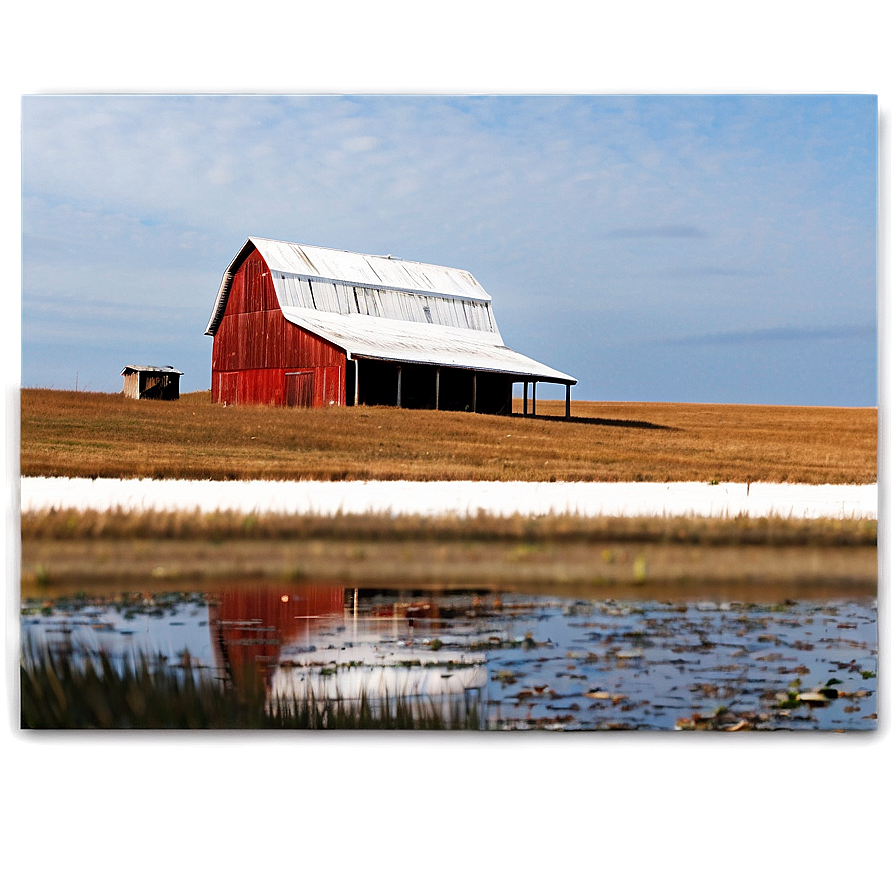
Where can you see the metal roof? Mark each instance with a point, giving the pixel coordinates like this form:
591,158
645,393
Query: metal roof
386,308
142,368
415,343
352,268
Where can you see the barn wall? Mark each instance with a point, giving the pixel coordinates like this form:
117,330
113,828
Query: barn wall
255,347
272,386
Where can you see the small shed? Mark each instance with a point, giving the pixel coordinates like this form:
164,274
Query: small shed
162,383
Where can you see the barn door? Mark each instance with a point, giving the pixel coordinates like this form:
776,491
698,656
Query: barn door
228,387
300,389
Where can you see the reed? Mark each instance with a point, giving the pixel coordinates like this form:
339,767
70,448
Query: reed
177,525
74,690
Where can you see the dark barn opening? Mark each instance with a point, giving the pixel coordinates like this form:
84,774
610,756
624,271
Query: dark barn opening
429,387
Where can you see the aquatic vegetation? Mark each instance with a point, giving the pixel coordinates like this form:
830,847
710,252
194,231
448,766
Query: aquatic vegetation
59,691
331,657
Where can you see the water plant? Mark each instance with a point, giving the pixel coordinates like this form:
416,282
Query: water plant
60,691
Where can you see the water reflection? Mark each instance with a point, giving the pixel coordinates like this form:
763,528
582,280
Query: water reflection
630,660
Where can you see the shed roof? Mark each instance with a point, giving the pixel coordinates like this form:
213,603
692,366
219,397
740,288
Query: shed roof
386,308
142,368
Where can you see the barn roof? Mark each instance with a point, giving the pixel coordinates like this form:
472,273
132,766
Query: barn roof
376,271
411,342
386,308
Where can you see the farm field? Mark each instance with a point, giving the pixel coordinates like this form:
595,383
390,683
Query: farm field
72,434
82,434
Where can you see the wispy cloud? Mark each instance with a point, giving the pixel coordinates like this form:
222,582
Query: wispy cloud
666,232
773,334
712,270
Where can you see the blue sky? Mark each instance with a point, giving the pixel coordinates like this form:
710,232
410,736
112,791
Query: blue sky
659,248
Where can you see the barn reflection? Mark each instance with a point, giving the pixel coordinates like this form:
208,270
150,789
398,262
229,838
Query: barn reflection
330,642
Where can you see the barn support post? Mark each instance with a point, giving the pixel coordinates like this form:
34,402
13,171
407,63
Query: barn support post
398,400
356,382
474,391
525,398
438,370
534,384
567,400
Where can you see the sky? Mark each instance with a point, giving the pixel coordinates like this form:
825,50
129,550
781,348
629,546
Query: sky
706,248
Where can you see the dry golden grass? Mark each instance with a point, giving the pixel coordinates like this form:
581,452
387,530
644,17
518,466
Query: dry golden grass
106,435
176,525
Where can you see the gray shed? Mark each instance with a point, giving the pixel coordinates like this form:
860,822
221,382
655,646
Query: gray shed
151,382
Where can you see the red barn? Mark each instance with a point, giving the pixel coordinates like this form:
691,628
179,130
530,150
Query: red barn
310,327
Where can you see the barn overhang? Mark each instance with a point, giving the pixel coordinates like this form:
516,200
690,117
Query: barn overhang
402,341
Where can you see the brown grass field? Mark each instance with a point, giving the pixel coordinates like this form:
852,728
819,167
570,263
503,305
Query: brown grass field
103,435
107,435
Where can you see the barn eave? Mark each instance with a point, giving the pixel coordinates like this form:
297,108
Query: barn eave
362,336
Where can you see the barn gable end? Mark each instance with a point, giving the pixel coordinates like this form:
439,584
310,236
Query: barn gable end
259,357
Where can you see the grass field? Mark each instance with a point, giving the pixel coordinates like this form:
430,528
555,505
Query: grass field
108,435
103,435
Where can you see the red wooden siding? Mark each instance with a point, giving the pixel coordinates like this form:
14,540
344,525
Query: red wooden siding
322,386
255,347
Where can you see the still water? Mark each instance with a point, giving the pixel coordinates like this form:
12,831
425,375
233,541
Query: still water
741,660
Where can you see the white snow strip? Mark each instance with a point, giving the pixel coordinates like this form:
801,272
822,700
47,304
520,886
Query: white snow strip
460,499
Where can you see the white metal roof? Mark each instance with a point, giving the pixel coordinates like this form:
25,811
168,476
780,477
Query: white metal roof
386,308
415,343
336,265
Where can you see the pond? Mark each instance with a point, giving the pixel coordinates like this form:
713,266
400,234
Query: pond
329,656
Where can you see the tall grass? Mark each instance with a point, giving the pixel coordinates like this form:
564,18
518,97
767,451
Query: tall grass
369,528
62,691
102,435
